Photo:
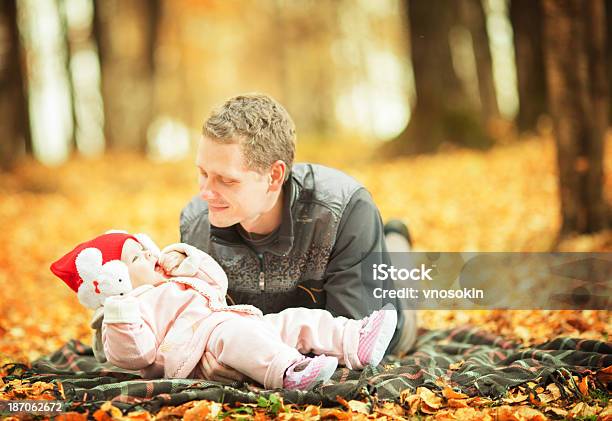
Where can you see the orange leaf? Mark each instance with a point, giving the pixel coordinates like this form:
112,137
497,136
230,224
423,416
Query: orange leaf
201,410
335,413
605,375
412,403
426,409
107,412
584,386
519,413
457,403
139,416
71,416
101,415
449,393
429,398
342,401
533,400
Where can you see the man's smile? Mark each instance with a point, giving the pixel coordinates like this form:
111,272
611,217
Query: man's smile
217,208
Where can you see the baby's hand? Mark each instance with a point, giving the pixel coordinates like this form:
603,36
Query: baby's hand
183,260
171,260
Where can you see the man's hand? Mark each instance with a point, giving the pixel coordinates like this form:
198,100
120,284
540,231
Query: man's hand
215,371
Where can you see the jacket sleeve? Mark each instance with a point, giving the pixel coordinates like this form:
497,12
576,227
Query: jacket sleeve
360,243
129,342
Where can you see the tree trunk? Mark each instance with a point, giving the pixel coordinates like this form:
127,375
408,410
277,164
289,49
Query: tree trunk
125,33
443,112
14,122
473,17
574,44
526,17
609,46
65,31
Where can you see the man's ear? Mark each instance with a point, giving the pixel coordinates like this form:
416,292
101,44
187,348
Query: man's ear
277,175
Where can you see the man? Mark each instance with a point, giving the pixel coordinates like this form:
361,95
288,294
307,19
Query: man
287,235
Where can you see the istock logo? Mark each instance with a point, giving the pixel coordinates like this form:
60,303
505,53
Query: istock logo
382,272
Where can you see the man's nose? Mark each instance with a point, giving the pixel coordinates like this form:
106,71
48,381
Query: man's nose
205,190
207,194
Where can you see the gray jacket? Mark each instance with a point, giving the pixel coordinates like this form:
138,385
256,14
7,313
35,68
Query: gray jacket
330,225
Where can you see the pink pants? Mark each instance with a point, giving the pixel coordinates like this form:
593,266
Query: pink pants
264,348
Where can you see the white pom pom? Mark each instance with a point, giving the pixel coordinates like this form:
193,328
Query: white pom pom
88,263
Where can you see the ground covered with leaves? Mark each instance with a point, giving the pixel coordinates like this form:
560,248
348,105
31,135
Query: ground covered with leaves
505,199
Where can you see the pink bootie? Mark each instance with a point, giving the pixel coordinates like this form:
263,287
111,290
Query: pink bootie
375,334
307,373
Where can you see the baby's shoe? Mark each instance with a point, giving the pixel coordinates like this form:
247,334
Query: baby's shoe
308,372
375,334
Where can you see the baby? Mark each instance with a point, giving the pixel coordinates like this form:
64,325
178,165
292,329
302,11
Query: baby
162,312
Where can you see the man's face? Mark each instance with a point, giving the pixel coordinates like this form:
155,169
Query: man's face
235,194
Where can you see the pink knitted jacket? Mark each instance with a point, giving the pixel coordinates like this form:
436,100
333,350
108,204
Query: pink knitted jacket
163,329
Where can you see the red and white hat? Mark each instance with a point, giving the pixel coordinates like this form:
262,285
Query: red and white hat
94,269
110,245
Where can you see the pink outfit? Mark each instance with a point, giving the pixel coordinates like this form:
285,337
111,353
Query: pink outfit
182,318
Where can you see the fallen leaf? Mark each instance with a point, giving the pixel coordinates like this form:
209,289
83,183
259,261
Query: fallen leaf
554,391
412,403
605,376
457,403
335,413
359,407
557,411
533,400
581,409
71,416
202,410
139,416
457,365
449,393
606,414
429,398
107,412
479,401
515,398
583,386
519,413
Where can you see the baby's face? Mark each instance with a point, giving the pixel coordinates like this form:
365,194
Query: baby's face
142,265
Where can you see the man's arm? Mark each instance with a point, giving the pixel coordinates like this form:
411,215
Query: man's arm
360,239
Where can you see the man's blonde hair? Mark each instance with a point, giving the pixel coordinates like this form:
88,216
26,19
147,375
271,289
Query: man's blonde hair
262,127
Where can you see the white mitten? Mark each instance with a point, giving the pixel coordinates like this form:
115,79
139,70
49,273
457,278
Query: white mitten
121,310
181,259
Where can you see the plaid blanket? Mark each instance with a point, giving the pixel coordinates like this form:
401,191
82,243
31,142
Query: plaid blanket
475,362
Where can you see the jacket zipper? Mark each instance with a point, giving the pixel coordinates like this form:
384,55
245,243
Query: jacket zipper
262,276
260,258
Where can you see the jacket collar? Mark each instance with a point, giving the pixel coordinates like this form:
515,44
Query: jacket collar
284,241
